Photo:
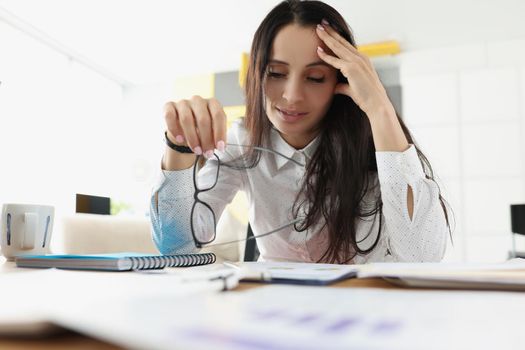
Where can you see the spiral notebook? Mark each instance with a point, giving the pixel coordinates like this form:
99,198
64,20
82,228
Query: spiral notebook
114,262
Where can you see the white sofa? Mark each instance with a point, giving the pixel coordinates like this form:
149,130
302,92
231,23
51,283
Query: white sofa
91,233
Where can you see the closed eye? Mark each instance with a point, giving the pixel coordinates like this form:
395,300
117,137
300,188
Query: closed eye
275,75
281,76
316,80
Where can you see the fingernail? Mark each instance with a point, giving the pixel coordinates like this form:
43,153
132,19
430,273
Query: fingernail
319,48
320,27
220,145
325,22
179,138
209,154
197,150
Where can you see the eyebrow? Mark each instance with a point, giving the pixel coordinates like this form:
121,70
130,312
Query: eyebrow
316,63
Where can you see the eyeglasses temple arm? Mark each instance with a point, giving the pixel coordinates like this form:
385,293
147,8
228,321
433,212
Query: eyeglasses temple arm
267,150
253,237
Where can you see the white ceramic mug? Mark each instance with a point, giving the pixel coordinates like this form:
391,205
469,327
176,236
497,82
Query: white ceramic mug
26,229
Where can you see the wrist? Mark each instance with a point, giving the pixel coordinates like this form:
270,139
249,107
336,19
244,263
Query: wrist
381,112
387,131
180,148
177,156
174,160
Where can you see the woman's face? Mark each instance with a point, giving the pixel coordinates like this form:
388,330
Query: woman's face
299,86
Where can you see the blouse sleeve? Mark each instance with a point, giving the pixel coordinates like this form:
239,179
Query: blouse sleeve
423,237
170,206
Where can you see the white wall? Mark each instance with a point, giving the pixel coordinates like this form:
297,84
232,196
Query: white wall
466,107
162,39
60,129
142,110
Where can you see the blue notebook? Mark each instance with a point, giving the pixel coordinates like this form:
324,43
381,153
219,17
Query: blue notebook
114,262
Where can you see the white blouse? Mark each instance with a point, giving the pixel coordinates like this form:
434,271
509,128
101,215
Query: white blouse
271,188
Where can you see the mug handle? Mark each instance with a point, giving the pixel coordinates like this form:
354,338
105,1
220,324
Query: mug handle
48,220
28,241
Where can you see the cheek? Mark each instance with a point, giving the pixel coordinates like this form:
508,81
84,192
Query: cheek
322,97
273,90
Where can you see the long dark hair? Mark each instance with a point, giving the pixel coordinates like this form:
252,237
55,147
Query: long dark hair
338,176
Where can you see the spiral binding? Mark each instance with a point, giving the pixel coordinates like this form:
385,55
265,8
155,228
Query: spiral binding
160,262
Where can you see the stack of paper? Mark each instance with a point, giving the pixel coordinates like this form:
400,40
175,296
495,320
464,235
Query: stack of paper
295,273
509,275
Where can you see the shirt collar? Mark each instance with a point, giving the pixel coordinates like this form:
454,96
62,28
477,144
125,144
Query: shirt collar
280,145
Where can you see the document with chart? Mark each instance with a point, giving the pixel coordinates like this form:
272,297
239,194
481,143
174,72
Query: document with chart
308,317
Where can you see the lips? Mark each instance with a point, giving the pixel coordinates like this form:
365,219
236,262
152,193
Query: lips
290,115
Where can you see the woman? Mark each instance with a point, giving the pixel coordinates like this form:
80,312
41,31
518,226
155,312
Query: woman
339,179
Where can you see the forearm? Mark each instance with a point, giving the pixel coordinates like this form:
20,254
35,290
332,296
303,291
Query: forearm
170,235
389,137
423,238
172,201
174,160
386,130
415,222
170,206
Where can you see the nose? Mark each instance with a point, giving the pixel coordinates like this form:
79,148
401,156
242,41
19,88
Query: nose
293,91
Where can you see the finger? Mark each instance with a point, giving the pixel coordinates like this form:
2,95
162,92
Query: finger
351,48
175,133
199,106
331,60
339,49
219,123
342,48
187,122
332,32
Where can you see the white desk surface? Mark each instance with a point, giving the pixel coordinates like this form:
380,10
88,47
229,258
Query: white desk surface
68,339
493,319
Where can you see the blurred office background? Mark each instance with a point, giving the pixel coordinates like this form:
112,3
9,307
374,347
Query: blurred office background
83,84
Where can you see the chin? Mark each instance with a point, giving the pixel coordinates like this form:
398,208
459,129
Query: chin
296,131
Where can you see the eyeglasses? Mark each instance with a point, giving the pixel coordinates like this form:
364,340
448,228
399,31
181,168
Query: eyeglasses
203,220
